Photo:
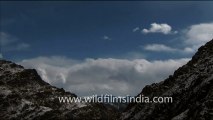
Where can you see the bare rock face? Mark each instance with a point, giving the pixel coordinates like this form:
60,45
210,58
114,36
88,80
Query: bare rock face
191,87
24,95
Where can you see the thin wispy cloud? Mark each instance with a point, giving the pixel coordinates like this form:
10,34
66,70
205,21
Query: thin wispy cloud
136,29
11,43
1,56
168,49
105,37
6,39
159,48
6,21
22,46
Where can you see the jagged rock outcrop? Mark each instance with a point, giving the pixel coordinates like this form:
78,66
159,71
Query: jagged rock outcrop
191,87
24,95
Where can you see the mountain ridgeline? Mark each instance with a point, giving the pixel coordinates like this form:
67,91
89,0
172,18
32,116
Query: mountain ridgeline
24,95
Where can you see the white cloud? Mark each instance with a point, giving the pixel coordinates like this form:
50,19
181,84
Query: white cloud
197,35
192,38
136,29
159,48
11,43
164,48
105,37
101,76
159,28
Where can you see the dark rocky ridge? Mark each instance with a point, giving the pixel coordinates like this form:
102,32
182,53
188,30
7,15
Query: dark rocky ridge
24,95
191,87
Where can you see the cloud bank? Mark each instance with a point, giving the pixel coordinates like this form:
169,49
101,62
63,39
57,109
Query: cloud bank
101,76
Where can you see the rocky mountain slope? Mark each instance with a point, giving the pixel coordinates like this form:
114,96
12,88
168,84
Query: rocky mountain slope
24,95
191,87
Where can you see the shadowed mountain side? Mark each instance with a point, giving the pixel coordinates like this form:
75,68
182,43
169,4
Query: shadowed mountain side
191,87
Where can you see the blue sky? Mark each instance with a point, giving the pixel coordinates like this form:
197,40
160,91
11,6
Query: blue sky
77,31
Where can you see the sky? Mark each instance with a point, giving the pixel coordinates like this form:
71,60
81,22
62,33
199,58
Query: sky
103,47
